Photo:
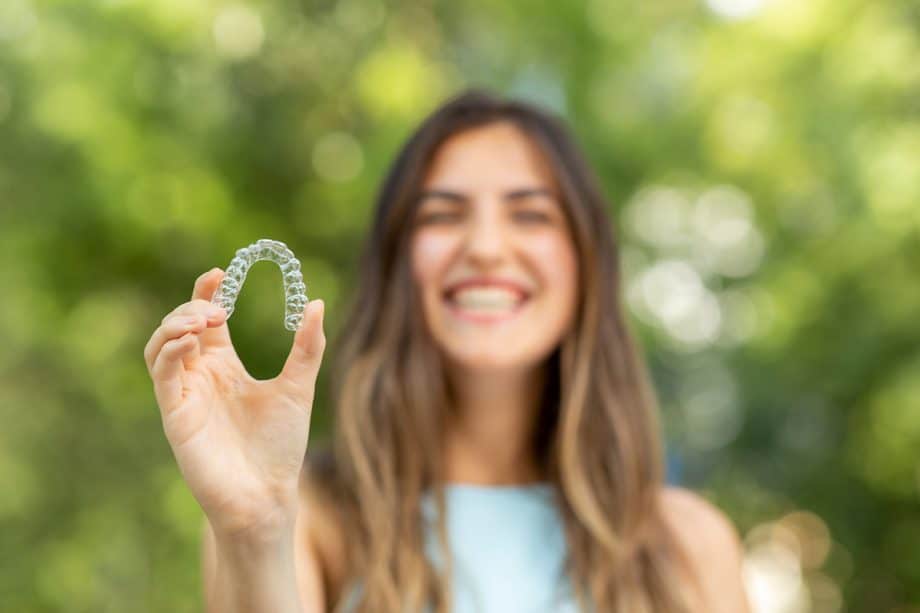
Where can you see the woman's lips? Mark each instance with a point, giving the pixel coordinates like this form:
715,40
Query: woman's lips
484,318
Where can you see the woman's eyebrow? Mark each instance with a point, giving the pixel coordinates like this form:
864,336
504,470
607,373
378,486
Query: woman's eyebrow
443,194
528,192
516,194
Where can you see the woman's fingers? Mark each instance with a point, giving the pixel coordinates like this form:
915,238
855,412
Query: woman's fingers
206,284
173,327
204,289
168,371
194,316
215,314
216,334
302,365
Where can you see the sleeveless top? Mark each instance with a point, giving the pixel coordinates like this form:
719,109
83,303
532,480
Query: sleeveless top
508,549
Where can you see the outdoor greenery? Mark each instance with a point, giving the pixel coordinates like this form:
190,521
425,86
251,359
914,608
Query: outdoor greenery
762,160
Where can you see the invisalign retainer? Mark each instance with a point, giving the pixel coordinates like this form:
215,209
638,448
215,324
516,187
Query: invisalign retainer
295,292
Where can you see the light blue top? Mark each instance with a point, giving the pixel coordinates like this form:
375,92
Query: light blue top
508,549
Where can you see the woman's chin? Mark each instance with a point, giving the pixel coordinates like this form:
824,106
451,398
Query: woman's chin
478,360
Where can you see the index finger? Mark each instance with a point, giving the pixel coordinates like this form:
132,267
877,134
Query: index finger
206,284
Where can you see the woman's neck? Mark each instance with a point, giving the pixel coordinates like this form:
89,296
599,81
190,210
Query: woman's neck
490,429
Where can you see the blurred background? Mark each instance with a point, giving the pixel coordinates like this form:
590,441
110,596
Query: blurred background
762,158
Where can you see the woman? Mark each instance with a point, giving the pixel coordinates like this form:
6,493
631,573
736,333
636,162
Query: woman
496,443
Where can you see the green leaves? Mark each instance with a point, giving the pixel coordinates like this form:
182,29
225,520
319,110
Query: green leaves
762,166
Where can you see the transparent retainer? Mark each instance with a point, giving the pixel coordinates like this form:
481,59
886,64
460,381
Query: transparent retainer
295,292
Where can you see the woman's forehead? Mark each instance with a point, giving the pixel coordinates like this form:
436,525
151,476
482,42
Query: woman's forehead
498,156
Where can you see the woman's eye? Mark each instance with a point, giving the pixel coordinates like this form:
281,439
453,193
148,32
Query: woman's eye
532,216
437,217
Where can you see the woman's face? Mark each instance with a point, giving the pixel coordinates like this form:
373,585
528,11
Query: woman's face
492,252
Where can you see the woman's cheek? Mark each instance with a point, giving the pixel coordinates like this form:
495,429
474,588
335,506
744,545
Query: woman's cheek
430,254
555,256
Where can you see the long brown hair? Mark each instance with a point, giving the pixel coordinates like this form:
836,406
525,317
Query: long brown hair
597,438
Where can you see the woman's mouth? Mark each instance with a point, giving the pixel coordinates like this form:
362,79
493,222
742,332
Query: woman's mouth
485,304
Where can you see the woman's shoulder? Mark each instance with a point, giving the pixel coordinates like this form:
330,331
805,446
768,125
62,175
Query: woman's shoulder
697,520
711,544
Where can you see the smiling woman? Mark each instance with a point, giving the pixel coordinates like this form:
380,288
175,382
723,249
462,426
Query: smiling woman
496,444
487,372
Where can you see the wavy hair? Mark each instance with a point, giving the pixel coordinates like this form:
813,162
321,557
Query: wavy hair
597,437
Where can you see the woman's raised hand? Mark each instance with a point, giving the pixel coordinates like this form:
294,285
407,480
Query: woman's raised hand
239,442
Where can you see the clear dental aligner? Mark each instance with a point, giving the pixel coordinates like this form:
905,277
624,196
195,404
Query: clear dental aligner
295,292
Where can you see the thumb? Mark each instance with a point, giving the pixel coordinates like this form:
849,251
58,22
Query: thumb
302,364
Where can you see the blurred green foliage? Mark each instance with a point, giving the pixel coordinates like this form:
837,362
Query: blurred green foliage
762,158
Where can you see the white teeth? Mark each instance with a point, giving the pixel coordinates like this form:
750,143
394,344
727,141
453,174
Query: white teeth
486,299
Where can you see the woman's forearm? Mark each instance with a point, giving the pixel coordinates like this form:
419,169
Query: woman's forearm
255,575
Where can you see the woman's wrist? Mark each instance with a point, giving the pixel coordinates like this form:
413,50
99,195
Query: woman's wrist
255,538
254,528
257,572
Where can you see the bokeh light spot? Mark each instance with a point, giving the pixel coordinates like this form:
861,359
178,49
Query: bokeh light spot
398,80
337,156
736,9
17,19
238,32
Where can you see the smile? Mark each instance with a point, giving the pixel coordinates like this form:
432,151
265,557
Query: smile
485,304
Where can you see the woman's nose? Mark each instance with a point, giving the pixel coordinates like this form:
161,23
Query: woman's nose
486,240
